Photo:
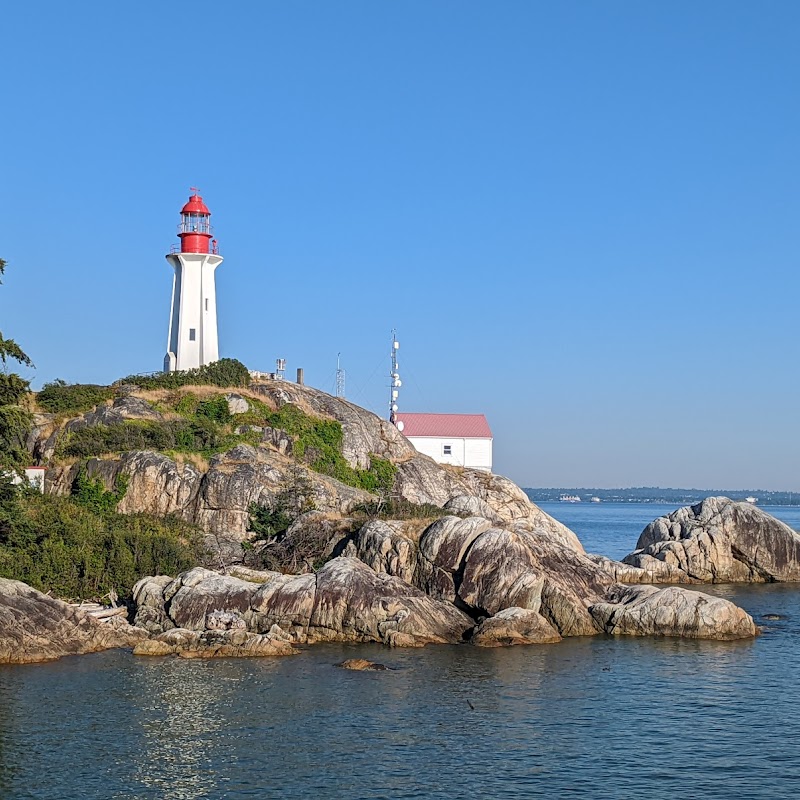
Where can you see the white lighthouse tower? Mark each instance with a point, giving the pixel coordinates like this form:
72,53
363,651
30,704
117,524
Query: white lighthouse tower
192,338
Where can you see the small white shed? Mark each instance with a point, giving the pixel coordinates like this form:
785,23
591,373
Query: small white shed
464,440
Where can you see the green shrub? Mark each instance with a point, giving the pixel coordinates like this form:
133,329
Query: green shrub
59,397
215,409
266,522
92,493
56,544
225,372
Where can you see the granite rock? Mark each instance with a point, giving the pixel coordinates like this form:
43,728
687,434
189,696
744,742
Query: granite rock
718,541
671,611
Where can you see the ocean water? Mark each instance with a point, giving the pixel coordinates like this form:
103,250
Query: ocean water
591,717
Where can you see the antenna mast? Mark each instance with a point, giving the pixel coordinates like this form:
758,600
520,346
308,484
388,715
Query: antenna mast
396,383
340,375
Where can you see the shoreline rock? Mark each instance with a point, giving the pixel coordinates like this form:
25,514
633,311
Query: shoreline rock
718,541
35,627
671,611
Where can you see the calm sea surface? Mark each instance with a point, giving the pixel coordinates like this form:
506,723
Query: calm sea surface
591,717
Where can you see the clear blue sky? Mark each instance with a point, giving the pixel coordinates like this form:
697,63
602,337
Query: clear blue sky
581,217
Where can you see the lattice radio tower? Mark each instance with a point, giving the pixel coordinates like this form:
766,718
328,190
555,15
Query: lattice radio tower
340,376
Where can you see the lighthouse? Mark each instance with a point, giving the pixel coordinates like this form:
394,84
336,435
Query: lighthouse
192,340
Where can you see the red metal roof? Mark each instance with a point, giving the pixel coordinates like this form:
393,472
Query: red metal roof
195,206
472,426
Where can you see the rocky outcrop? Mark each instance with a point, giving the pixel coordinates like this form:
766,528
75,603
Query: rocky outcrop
403,589
718,541
217,498
671,611
345,602
513,626
486,569
35,627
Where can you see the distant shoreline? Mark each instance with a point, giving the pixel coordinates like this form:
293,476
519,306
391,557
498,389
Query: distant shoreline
653,495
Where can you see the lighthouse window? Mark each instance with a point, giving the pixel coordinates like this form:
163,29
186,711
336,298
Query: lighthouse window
206,304
192,334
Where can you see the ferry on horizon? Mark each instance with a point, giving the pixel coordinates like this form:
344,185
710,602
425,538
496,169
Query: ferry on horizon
569,498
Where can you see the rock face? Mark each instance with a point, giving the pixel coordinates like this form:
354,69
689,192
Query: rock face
35,627
718,541
671,611
484,568
345,601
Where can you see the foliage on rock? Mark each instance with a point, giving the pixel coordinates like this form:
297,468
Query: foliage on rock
59,397
200,434
225,372
92,492
79,548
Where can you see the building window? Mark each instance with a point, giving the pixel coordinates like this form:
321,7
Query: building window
192,334
447,449
206,304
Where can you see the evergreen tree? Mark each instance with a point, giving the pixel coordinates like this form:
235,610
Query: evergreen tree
15,421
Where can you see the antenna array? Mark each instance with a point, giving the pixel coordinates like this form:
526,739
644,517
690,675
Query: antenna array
396,383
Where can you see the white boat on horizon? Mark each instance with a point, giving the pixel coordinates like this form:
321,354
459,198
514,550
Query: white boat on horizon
569,498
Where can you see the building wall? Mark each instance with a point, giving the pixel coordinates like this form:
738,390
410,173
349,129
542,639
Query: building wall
464,452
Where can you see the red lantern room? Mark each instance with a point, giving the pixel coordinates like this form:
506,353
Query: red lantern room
195,228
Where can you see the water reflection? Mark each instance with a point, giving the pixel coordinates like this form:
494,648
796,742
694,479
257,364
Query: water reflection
183,726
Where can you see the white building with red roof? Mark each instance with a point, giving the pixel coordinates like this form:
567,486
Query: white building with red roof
464,440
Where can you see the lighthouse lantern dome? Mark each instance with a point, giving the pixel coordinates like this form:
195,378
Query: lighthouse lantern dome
194,230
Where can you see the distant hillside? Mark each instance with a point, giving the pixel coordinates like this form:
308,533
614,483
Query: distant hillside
654,494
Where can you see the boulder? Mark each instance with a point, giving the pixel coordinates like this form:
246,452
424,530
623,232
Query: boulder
671,611
656,571
486,568
347,601
385,547
237,404
197,595
229,643
513,626
362,665
35,627
148,597
719,541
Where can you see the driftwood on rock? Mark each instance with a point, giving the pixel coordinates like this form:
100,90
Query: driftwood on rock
35,627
